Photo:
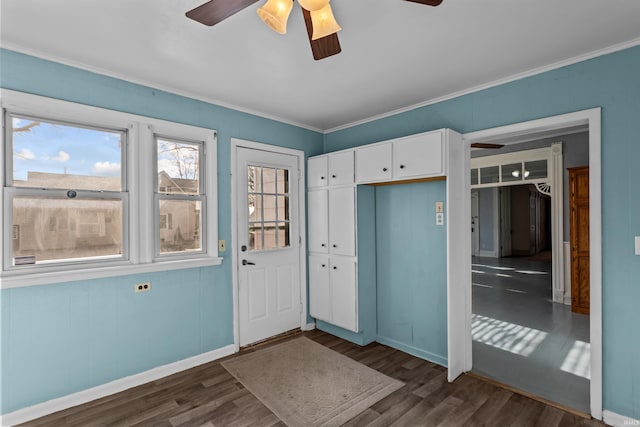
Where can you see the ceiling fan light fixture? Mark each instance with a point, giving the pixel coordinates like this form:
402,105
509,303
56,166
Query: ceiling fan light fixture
275,13
324,23
313,5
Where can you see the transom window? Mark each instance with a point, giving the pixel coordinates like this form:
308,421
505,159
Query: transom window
269,213
530,166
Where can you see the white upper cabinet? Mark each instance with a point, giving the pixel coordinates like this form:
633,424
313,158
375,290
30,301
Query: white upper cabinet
411,157
330,169
418,155
341,168
373,163
317,168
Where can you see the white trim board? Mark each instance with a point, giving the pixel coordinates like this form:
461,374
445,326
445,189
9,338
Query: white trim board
302,191
116,386
617,420
592,118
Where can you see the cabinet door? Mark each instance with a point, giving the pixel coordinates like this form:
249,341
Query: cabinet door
317,171
341,168
374,163
318,221
319,289
419,155
342,230
343,293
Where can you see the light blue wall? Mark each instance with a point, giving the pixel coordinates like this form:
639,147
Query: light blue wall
412,270
62,338
611,82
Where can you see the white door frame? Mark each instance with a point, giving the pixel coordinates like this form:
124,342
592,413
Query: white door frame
591,118
235,144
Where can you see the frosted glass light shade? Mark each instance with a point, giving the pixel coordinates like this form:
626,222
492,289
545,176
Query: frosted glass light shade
275,13
312,5
323,22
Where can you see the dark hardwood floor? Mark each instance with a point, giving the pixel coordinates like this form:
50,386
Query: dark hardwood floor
208,395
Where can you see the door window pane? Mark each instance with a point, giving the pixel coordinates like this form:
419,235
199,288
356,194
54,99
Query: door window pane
61,156
180,226
56,229
268,204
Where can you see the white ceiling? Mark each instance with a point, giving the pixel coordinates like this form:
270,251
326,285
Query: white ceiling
395,54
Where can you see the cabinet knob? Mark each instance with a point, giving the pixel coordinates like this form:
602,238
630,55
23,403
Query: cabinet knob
333,176
322,177
335,268
401,166
323,245
384,169
335,246
323,265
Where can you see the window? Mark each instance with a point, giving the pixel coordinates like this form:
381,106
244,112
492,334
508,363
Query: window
180,197
91,193
269,216
62,174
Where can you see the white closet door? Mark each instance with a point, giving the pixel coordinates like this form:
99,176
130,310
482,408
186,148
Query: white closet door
342,232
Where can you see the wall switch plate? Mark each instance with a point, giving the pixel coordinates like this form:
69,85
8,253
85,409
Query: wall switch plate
142,287
222,245
637,245
439,207
439,219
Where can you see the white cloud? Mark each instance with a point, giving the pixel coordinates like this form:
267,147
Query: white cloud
25,154
106,168
61,157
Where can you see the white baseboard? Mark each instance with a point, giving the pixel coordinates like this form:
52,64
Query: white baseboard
116,386
618,420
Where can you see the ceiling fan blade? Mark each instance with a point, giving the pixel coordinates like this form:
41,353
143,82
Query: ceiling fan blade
323,47
427,2
486,145
214,11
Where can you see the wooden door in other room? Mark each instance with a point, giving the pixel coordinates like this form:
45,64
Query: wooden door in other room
579,236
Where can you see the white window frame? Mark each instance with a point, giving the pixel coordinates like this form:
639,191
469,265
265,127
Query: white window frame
140,235
201,197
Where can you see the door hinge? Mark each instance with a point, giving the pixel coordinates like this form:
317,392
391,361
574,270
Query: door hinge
299,240
300,307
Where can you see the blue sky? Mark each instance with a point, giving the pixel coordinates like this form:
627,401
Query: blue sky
57,148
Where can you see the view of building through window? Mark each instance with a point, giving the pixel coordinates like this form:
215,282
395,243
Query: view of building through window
179,191
48,159
268,195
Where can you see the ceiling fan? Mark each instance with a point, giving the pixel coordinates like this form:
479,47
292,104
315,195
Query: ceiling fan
486,145
322,27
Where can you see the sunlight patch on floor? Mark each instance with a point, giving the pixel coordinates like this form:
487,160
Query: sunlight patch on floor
483,286
506,336
578,360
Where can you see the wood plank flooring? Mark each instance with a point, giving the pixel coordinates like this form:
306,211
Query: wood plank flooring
208,395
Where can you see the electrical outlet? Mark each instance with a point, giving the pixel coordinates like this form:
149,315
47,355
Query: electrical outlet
637,245
222,245
439,219
142,287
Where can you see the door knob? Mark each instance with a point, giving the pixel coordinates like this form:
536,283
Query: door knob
245,262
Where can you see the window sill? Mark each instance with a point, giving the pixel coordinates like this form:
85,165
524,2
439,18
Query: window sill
13,280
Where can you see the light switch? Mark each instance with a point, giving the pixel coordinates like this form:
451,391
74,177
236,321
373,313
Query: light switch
439,207
637,245
222,245
439,218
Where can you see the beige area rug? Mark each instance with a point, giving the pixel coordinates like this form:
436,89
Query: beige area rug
307,384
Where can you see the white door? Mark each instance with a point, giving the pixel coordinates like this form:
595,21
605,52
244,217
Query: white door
268,244
505,222
475,224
